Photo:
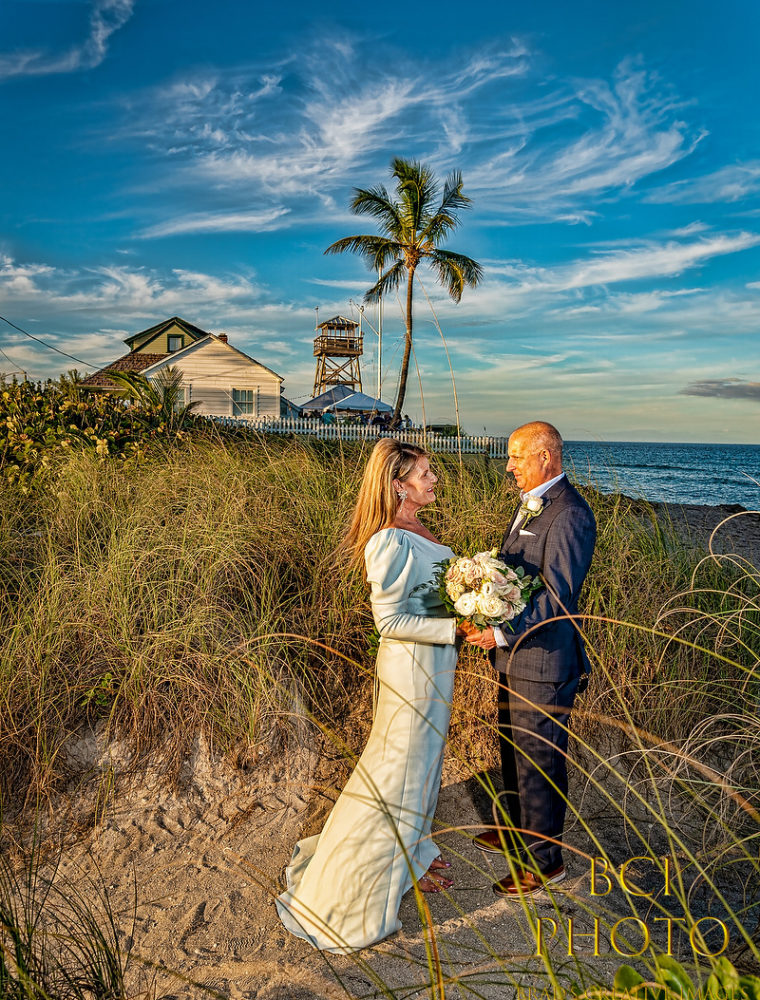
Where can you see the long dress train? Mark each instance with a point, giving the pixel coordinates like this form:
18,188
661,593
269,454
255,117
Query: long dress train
345,884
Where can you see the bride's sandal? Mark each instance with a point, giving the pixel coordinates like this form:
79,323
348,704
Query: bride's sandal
426,883
430,882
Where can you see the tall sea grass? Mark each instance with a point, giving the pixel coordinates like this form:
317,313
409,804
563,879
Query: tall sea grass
58,940
197,591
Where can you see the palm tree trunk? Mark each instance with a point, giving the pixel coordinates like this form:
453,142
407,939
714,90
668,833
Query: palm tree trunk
396,419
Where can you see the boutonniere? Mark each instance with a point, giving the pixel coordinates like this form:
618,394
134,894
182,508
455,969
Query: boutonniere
531,507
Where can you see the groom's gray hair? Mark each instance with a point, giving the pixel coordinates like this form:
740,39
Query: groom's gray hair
540,435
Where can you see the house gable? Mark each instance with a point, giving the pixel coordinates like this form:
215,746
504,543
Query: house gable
222,380
156,340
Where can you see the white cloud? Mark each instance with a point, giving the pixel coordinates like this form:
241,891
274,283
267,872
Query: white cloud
218,222
106,17
729,184
297,136
74,309
628,132
651,260
691,230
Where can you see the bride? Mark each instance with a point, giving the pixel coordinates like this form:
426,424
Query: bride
345,884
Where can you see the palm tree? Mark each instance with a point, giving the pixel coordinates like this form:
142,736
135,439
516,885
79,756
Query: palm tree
412,231
164,394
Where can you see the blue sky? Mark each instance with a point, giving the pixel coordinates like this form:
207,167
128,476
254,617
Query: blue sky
190,158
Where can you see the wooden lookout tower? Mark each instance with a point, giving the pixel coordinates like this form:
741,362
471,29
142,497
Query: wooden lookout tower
337,348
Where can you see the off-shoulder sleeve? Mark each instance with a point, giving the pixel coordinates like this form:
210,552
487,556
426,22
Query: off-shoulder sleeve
389,557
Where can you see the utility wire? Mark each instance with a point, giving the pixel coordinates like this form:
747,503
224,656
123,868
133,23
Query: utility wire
50,347
11,362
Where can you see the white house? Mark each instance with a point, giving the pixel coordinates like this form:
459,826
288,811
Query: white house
223,380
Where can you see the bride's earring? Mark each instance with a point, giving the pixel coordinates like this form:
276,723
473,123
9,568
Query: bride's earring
402,495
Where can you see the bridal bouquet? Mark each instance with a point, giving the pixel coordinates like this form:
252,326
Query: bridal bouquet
483,590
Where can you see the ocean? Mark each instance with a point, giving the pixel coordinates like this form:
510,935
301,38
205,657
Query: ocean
675,473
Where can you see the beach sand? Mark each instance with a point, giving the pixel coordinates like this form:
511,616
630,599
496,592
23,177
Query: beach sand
205,856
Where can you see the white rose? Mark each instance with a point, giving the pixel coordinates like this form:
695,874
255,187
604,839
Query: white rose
487,588
514,609
488,560
466,605
454,590
491,606
534,504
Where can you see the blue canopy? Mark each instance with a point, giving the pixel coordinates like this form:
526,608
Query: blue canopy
360,402
325,399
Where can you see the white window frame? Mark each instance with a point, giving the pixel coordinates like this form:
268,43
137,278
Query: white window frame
252,401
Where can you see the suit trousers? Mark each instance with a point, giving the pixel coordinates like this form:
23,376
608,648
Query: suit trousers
533,735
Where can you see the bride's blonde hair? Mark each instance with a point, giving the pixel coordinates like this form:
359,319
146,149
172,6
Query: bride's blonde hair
377,502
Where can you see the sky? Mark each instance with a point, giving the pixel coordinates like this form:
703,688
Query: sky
195,159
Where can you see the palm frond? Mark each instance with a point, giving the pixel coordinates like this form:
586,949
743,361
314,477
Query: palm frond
377,203
377,251
388,282
135,386
455,271
417,189
169,384
446,218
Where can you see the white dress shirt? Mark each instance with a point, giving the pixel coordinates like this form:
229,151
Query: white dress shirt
537,491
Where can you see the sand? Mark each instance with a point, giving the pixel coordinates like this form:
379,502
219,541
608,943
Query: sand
203,858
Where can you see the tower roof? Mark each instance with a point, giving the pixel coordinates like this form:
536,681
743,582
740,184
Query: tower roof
338,323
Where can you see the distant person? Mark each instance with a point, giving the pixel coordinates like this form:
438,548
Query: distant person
541,666
345,884
328,417
406,423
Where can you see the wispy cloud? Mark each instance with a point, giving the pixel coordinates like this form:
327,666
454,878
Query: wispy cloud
218,222
301,138
628,131
106,17
650,260
729,184
73,309
724,388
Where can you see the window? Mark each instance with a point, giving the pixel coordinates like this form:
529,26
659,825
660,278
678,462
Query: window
183,398
175,344
243,402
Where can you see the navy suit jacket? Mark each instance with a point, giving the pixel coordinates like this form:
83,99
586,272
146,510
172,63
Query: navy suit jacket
557,545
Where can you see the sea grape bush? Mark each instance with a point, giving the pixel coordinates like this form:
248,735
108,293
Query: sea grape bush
40,422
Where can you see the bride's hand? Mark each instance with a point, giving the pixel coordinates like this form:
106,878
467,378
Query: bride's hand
466,628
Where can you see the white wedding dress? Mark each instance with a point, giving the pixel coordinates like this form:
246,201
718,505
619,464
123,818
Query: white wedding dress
345,884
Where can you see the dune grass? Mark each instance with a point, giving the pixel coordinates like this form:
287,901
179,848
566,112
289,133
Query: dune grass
198,590
58,941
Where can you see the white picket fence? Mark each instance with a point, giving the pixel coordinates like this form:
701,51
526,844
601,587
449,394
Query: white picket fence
466,444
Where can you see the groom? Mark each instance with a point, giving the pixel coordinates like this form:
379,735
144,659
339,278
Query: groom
542,663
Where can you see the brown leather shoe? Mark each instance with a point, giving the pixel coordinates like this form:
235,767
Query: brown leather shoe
492,841
528,884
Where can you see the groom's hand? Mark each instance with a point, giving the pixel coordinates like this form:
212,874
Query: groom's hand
484,639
